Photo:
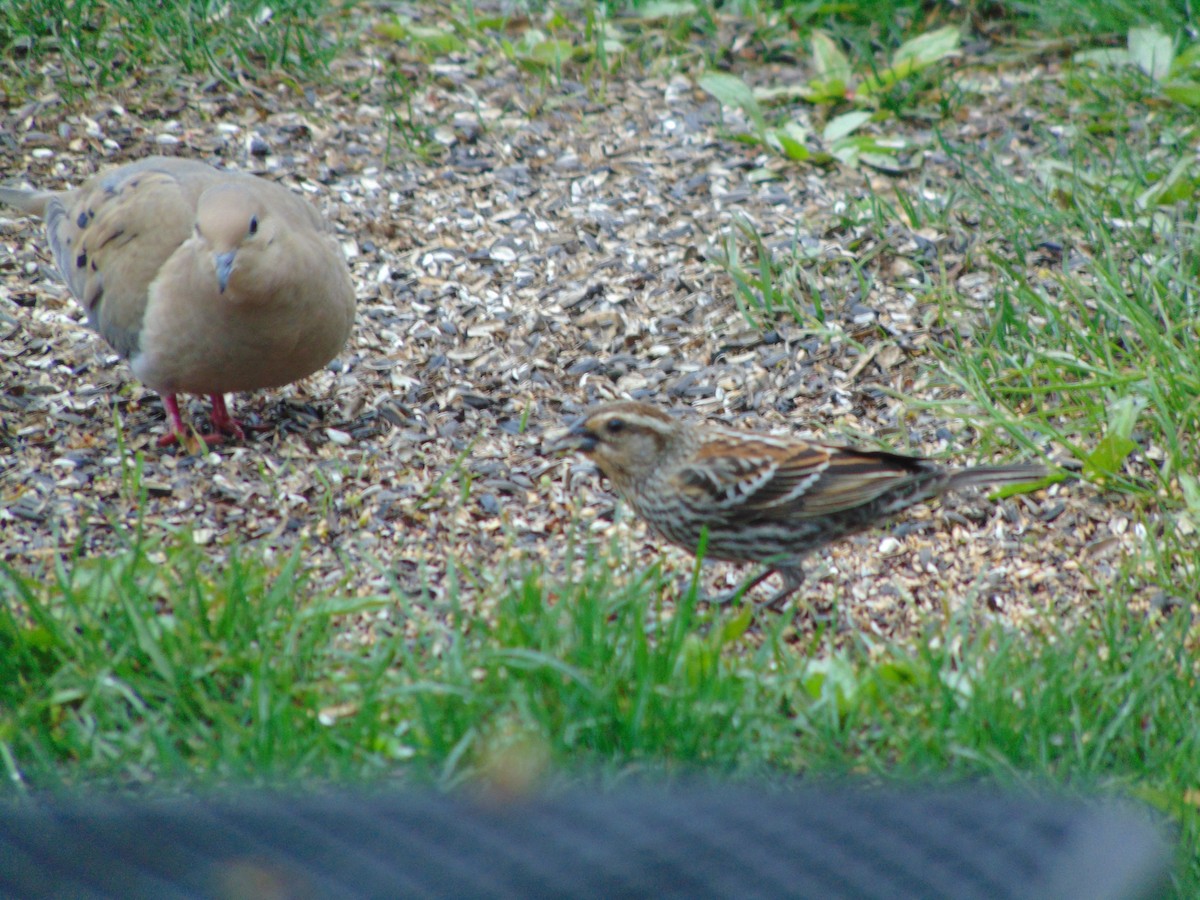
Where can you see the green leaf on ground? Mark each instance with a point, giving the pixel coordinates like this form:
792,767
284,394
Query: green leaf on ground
731,91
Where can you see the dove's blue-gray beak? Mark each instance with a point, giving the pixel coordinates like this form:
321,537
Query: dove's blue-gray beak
224,265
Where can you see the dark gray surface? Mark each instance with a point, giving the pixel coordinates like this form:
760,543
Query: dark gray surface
694,842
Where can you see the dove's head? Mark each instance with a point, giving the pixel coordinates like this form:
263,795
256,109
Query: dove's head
236,227
628,441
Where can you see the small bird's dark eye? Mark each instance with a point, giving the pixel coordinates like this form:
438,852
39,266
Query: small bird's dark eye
614,426
254,224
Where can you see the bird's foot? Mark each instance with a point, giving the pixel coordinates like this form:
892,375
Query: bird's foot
724,598
222,422
792,579
193,441
775,602
224,426
178,433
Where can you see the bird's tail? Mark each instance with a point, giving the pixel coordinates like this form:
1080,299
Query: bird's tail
1017,473
31,202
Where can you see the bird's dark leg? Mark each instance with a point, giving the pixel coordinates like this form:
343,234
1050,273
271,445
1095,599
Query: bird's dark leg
792,579
742,590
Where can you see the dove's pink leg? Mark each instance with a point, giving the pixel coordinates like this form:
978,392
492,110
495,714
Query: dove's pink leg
177,432
223,423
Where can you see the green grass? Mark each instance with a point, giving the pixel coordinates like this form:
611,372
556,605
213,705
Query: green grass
1099,349
151,664
891,21
1091,18
157,668
103,42
155,664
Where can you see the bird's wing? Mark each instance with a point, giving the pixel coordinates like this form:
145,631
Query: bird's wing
789,478
110,239
857,478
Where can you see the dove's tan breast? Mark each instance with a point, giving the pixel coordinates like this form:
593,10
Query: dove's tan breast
285,313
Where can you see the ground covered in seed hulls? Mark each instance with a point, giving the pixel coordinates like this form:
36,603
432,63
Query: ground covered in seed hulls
546,243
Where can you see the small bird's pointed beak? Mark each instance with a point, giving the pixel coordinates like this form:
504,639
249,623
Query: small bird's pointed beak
579,437
224,265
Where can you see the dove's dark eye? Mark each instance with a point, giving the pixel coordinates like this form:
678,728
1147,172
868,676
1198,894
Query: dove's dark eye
615,426
254,224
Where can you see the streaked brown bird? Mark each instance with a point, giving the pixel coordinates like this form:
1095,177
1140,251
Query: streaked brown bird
763,498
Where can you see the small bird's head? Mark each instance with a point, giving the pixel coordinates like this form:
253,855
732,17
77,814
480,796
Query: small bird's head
627,440
235,226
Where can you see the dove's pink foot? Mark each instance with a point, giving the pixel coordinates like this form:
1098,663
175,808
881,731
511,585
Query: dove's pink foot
224,425
222,422
178,432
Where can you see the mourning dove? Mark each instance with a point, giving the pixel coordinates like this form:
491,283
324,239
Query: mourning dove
207,281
